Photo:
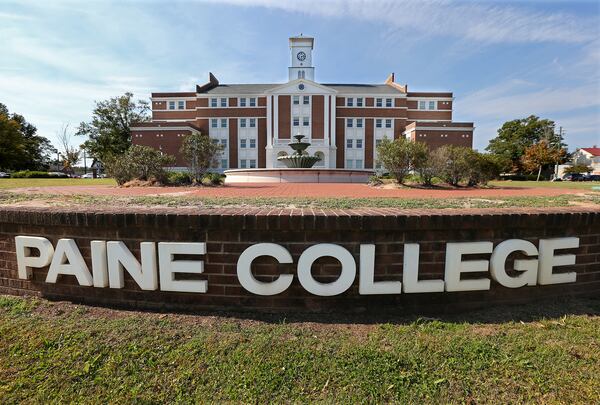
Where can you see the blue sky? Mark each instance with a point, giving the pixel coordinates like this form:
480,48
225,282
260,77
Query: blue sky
503,60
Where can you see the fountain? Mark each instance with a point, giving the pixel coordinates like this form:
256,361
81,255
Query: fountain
299,159
299,169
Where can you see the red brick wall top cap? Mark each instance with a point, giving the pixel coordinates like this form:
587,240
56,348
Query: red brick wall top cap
428,94
174,94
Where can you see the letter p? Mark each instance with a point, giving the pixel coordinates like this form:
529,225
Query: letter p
25,261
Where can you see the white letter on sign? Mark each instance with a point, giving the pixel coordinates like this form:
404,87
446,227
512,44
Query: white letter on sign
120,259
548,260
529,267
311,254
366,283
168,266
455,266
68,260
24,244
410,273
247,279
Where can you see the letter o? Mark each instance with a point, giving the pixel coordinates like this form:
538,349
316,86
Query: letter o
343,282
247,279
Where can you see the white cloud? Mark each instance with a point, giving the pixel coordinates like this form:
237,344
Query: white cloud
476,21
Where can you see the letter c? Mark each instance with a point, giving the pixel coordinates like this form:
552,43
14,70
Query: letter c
247,279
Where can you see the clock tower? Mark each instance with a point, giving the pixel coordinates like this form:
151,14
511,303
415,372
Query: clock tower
301,53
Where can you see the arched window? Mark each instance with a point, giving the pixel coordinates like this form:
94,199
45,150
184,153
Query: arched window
301,74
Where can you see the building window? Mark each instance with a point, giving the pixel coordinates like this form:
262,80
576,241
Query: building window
252,122
223,102
359,102
349,143
252,164
377,142
349,101
349,122
388,102
224,163
252,101
388,123
421,105
252,143
306,100
378,165
242,143
223,122
379,102
181,105
296,100
305,121
213,102
224,143
296,122
243,163
214,123
358,164
242,102
432,105
359,123
378,123
349,164
242,122
359,144
171,105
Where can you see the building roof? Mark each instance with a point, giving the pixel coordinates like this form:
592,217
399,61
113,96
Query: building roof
592,151
362,88
232,89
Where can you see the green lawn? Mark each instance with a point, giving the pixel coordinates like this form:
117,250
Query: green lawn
58,352
16,183
583,185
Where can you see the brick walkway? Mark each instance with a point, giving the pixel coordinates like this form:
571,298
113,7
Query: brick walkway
301,190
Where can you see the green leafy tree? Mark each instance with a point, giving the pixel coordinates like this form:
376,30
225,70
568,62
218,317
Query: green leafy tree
515,136
541,154
397,157
200,153
578,168
425,163
455,163
138,163
20,146
109,132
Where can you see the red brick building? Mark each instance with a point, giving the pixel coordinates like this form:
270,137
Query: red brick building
343,122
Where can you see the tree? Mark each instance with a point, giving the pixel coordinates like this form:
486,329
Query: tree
200,153
425,163
109,132
70,154
456,163
20,146
397,157
138,163
515,136
578,168
540,154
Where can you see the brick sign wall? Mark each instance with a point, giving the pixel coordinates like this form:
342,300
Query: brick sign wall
229,232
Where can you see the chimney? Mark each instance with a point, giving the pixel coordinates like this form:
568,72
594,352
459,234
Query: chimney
390,78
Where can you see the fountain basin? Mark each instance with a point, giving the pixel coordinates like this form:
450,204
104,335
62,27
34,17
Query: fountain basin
293,175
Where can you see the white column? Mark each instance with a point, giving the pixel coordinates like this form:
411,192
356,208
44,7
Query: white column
276,118
333,103
269,122
327,125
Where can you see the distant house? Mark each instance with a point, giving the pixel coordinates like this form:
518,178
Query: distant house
589,157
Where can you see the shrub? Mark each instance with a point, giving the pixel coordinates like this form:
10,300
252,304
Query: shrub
212,179
454,163
397,156
28,174
578,168
425,163
375,180
138,163
200,152
179,178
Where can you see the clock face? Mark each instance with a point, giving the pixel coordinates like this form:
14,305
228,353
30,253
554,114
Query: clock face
301,55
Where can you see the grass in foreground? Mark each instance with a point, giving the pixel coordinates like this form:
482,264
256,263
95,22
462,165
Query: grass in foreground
10,198
579,185
58,352
19,183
